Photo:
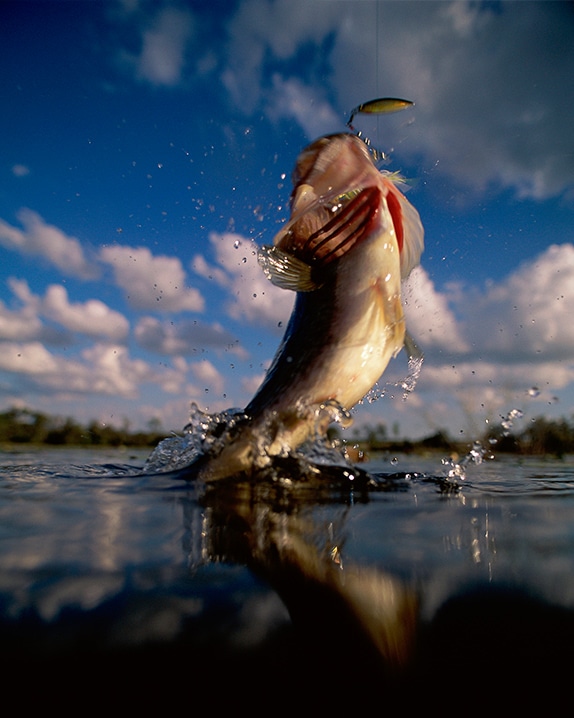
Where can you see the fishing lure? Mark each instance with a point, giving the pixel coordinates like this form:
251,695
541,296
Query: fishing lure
380,106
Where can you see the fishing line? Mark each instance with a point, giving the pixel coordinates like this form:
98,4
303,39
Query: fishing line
382,105
377,60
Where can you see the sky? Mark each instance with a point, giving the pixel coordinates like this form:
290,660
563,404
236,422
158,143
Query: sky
146,150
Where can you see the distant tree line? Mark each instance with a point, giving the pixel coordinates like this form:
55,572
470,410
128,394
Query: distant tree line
542,436
25,426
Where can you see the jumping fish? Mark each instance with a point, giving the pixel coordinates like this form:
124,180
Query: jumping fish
351,238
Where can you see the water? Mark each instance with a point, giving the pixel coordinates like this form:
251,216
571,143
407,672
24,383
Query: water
101,558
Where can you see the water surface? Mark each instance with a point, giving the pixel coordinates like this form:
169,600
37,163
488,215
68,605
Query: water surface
99,558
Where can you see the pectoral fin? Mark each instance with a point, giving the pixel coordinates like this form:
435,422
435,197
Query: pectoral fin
285,271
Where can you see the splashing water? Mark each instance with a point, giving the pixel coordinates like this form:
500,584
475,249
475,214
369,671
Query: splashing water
207,432
203,432
476,455
407,384
479,453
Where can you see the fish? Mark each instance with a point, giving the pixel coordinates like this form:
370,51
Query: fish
352,237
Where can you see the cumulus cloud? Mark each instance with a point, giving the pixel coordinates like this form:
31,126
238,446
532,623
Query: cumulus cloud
527,316
162,58
291,99
488,348
112,371
208,375
503,121
499,121
152,282
102,369
40,239
261,30
22,324
430,320
186,338
92,318
164,38
522,319
27,358
252,297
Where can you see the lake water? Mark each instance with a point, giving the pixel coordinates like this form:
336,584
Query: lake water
150,583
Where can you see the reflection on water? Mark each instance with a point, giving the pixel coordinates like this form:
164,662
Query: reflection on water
338,574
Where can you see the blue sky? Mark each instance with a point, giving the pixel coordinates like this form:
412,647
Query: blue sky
146,148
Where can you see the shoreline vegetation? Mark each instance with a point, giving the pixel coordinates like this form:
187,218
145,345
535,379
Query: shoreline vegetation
543,436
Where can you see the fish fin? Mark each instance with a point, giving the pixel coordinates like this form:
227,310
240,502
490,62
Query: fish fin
408,227
285,270
412,348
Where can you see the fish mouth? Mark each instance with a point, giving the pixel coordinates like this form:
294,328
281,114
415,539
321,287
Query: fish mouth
334,203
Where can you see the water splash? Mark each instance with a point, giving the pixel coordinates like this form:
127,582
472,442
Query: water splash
207,432
407,384
476,455
203,432
478,452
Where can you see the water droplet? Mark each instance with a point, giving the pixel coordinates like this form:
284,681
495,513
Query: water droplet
236,244
394,461
534,391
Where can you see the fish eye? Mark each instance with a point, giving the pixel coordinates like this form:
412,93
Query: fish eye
342,199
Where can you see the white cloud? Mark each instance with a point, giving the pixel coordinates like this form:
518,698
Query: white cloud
100,370
208,376
523,319
92,318
21,324
152,282
503,121
253,298
27,358
164,47
486,349
291,99
186,338
110,370
46,241
430,320
250,384
262,29
528,315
